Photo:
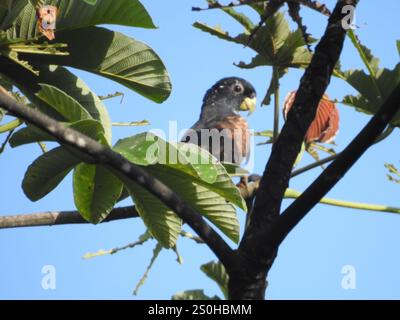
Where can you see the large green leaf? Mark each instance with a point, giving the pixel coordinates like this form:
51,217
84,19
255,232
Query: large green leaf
241,18
142,149
216,271
3,10
145,149
14,57
47,171
32,134
207,202
374,87
65,105
62,79
114,56
163,224
191,181
73,14
370,61
96,191
274,42
9,11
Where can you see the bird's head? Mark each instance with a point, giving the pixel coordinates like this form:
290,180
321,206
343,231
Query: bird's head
229,96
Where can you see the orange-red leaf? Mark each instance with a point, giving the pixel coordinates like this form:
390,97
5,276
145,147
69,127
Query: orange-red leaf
325,126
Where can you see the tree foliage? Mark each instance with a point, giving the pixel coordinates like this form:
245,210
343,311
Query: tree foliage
35,71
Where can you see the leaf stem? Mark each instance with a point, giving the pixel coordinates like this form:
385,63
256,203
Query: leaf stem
10,125
293,194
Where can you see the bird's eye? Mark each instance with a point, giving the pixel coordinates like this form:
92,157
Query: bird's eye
238,88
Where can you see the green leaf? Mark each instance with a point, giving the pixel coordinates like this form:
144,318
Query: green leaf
218,32
203,198
293,52
374,87
114,56
14,56
371,62
64,80
142,149
193,295
47,171
163,224
74,14
394,173
32,134
216,272
235,170
64,104
373,91
239,17
194,182
9,11
96,191
146,148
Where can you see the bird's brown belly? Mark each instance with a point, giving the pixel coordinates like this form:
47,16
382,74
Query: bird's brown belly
228,140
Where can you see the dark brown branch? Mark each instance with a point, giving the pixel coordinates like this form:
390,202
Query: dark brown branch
103,155
256,256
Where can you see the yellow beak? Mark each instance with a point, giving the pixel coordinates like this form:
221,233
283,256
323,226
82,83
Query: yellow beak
249,104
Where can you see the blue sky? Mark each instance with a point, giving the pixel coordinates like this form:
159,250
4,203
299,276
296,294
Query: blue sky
310,261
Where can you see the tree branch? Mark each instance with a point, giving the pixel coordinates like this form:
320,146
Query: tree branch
256,256
101,154
337,169
53,218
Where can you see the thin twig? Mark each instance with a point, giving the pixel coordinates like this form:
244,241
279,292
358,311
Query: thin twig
142,280
191,237
142,239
